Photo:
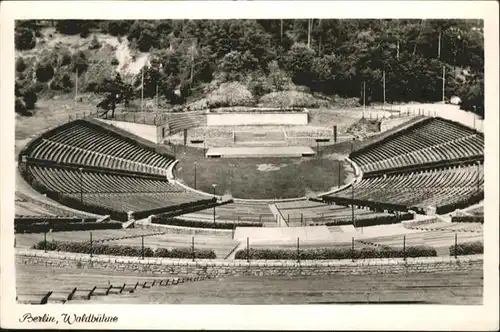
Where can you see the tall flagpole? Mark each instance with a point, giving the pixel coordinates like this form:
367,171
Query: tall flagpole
142,90
443,82
364,99
76,87
384,87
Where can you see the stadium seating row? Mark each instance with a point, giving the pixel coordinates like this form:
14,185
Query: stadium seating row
428,141
118,192
436,187
185,120
77,143
310,211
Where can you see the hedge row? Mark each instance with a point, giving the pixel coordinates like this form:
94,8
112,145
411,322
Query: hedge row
443,209
117,250
27,220
382,220
468,248
200,224
337,253
468,219
65,227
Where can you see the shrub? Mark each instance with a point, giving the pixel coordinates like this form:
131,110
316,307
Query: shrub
115,62
44,72
230,94
61,82
118,250
24,39
337,253
479,219
20,64
20,106
443,209
381,220
80,62
145,40
291,99
65,58
29,97
28,220
468,248
64,227
94,44
184,253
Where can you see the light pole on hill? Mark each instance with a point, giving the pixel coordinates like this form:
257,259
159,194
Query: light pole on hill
81,185
478,175
474,117
214,186
352,190
195,175
352,205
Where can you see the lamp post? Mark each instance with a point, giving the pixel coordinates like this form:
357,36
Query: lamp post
474,117
81,185
195,175
352,190
157,92
478,175
352,206
214,186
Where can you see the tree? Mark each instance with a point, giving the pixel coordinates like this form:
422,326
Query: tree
472,94
20,64
44,71
94,44
299,62
74,27
80,62
145,40
24,39
115,91
26,98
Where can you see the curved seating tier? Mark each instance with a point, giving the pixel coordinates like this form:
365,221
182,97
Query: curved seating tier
185,120
237,211
296,212
438,187
88,146
117,192
432,140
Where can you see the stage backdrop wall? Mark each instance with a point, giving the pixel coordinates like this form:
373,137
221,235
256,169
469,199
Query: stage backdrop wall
248,119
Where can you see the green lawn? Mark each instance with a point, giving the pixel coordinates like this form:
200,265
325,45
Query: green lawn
260,178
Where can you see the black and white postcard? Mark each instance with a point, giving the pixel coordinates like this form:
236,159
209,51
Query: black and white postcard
249,165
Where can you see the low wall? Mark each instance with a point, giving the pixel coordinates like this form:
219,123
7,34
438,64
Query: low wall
253,268
238,119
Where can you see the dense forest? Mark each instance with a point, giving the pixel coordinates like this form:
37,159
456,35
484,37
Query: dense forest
322,57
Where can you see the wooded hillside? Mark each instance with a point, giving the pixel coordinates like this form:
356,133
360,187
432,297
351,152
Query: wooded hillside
190,58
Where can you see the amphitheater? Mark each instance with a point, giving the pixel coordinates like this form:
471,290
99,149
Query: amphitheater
111,187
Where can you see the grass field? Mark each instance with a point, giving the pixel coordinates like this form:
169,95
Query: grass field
261,178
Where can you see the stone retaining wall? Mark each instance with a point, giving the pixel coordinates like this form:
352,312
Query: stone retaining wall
253,268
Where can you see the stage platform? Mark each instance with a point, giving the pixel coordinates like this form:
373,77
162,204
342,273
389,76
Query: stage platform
284,234
260,151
